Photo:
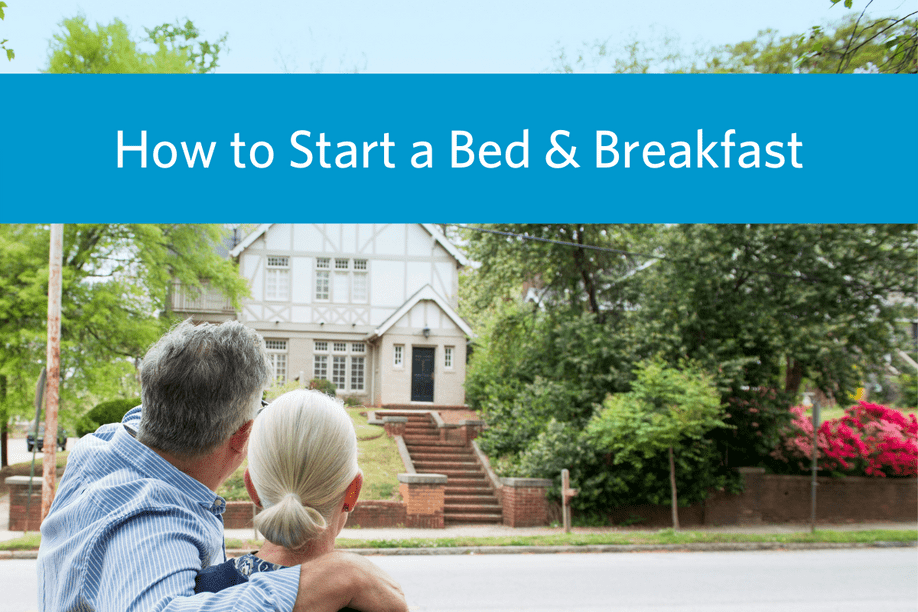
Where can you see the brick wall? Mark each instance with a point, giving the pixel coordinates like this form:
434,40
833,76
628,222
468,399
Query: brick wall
524,501
772,498
424,496
378,513
19,502
238,515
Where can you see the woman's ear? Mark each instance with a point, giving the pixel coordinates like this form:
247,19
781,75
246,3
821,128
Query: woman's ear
250,488
353,492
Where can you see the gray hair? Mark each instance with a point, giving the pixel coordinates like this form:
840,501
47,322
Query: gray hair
302,457
199,384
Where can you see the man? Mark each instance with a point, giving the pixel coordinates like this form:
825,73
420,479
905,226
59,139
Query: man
136,517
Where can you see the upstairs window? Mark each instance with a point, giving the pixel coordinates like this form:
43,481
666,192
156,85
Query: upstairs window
277,278
322,278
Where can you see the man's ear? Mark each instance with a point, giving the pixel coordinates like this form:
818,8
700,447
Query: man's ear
353,492
240,438
250,488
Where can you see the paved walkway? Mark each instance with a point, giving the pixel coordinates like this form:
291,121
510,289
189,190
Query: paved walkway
464,531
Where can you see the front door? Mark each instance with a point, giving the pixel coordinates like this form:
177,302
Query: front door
422,369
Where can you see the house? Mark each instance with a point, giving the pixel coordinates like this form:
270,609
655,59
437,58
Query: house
370,307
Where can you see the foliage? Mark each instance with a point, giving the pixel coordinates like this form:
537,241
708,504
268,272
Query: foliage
869,440
105,413
666,408
110,49
852,44
117,279
9,52
324,385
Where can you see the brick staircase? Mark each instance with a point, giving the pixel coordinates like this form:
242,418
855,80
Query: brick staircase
468,498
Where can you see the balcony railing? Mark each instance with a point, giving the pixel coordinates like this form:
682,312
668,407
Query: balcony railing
190,299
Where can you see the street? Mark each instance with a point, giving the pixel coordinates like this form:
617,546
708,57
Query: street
810,581
18,452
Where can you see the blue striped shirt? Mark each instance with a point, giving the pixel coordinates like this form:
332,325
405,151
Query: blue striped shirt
129,532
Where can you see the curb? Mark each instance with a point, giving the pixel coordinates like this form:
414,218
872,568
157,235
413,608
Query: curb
592,548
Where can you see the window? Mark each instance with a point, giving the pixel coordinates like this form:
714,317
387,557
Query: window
343,282
397,353
448,357
322,276
360,283
339,371
277,357
320,367
277,279
357,373
348,371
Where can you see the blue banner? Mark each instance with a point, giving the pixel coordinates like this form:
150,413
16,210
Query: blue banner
457,148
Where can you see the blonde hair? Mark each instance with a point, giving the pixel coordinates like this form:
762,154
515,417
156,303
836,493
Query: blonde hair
302,457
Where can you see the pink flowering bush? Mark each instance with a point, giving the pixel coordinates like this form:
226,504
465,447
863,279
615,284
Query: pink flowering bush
870,440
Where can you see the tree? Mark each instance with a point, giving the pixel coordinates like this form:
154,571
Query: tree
115,304
9,52
666,410
109,48
849,45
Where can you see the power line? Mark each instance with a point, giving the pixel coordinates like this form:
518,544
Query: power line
799,277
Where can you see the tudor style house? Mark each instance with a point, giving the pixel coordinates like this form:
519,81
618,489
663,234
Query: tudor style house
370,307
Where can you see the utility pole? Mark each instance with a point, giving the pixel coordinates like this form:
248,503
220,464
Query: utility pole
52,391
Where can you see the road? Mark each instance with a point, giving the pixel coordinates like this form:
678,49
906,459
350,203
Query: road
799,581
19,454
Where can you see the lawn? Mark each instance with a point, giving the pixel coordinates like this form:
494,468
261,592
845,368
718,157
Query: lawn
377,455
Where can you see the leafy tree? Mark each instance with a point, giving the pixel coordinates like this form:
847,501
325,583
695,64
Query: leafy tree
115,303
666,410
882,45
176,48
9,52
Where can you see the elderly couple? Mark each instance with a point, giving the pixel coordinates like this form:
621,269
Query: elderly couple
137,525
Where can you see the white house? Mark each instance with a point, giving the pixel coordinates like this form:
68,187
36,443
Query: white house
370,307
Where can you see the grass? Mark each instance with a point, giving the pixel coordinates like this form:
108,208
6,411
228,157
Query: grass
377,455
665,536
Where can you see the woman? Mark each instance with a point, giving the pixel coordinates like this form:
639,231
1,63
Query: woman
303,472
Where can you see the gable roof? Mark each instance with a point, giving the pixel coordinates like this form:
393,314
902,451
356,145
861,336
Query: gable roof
424,293
431,229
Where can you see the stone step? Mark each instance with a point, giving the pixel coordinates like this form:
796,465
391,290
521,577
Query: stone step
421,440
483,507
455,482
457,518
478,496
445,465
441,448
457,472
445,456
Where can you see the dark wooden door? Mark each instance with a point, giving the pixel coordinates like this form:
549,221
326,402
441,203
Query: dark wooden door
422,369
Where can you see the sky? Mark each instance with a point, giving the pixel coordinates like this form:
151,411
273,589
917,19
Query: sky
420,36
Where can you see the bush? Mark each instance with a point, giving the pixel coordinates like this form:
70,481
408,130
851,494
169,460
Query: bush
103,414
869,440
323,385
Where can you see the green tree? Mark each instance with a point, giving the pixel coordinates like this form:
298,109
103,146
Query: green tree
666,410
115,303
173,48
9,52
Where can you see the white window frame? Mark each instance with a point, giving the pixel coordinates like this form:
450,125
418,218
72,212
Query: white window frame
344,363
355,372
322,288
277,357
398,355
448,354
277,278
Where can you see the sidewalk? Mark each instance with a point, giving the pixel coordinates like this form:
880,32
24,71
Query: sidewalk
475,531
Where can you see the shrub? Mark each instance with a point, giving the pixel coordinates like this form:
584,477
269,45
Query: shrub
869,440
323,385
104,413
